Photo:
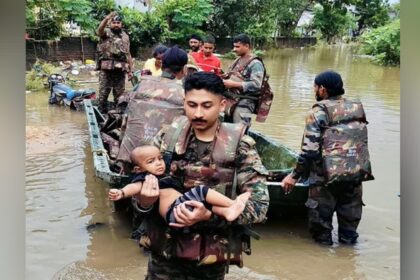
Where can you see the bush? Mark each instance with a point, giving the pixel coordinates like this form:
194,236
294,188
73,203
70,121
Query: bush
35,79
383,43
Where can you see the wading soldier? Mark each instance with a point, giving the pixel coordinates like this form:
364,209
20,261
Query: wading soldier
200,150
246,76
114,59
334,159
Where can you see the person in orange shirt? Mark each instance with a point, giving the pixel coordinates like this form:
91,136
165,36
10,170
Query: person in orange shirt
205,59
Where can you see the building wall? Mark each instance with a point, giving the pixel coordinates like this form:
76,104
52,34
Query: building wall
67,48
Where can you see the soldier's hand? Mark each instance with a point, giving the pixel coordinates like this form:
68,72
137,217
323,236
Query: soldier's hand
111,14
149,192
288,184
186,217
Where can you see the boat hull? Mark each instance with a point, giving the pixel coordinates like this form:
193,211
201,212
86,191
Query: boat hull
277,158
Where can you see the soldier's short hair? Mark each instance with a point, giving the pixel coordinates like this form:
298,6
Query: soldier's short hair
243,39
209,39
332,81
205,80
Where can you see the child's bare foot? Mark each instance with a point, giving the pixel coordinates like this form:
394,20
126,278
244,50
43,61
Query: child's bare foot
238,207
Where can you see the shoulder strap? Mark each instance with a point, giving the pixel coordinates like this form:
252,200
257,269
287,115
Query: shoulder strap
169,151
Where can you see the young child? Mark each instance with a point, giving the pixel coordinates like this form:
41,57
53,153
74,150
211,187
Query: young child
148,160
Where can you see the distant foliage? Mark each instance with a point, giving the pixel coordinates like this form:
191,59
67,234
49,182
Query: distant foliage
45,18
333,20
288,13
371,13
183,17
383,43
144,29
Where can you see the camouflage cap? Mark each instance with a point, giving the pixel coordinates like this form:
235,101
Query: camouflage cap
116,18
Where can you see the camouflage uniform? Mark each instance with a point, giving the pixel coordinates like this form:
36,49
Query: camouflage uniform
344,198
251,176
113,51
153,105
251,77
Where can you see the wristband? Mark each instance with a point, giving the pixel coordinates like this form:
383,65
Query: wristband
122,192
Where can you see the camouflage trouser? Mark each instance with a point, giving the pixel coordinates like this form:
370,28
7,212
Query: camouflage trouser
243,112
110,79
160,268
346,200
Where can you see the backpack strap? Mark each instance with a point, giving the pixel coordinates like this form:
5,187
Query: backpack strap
169,151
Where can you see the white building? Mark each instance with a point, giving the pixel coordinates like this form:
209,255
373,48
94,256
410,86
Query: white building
140,5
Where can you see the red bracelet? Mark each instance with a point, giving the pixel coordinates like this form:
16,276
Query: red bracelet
123,194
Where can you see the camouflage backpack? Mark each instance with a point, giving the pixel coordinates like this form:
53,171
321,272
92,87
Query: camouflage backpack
154,104
266,95
345,142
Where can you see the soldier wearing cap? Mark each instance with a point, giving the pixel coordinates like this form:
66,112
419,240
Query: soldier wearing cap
114,59
201,150
324,199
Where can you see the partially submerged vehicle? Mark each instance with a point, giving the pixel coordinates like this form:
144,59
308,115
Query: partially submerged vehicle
64,95
107,146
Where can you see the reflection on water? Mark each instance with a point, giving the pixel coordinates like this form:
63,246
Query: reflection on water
63,196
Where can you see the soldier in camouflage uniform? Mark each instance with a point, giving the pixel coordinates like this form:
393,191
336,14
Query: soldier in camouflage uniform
203,151
324,200
154,104
245,79
114,59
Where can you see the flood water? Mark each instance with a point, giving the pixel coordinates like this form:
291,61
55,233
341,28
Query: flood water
72,231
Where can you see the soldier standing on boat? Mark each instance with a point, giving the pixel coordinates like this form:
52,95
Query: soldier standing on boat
201,150
245,78
114,59
335,160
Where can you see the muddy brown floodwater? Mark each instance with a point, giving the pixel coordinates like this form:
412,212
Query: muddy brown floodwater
63,197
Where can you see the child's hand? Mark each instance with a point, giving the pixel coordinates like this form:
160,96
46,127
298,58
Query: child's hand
115,194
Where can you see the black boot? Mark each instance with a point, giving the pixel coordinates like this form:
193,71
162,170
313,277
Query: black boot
347,236
323,238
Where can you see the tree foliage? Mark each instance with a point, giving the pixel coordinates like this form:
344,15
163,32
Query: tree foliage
333,19
371,13
383,43
45,18
144,29
184,17
288,13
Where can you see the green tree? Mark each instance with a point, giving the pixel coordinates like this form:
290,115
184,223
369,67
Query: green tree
332,19
45,18
383,43
288,13
144,29
228,17
184,17
261,20
371,13
232,17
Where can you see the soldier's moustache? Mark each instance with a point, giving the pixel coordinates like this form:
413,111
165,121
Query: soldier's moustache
199,120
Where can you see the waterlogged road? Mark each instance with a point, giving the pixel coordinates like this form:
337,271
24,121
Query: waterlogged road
73,233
